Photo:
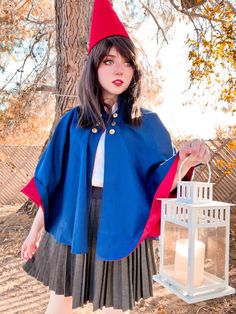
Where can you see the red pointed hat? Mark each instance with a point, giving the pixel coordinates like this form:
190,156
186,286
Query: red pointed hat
105,23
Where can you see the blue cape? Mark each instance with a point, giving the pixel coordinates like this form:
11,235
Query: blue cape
137,159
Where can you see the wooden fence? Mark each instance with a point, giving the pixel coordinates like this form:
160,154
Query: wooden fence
17,164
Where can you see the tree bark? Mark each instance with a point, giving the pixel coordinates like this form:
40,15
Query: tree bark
72,35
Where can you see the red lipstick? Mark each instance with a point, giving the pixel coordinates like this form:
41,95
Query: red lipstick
118,82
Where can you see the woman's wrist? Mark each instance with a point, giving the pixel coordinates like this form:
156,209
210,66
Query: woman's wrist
38,222
35,229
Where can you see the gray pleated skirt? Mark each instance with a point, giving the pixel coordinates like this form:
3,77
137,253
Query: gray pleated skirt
116,284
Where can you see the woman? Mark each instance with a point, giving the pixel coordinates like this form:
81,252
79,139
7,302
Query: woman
96,183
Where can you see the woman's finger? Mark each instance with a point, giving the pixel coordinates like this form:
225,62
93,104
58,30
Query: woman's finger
30,252
185,151
203,153
27,252
25,256
207,155
201,150
196,146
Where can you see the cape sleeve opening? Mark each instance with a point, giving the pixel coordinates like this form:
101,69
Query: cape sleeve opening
31,191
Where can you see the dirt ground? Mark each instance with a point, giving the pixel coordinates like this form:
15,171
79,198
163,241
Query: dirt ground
21,294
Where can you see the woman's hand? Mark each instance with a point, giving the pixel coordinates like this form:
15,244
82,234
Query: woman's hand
197,151
30,245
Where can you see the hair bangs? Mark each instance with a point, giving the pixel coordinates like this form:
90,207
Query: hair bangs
124,46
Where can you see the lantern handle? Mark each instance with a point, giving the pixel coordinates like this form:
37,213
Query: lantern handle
183,162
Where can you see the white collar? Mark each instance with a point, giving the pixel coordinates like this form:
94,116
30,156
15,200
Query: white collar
113,108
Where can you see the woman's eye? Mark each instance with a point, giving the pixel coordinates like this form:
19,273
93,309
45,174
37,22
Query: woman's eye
128,63
108,62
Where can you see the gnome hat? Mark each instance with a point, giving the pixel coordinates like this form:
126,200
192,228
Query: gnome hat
105,23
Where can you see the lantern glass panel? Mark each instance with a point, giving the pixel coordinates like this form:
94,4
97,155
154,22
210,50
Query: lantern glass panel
214,239
173,233
209,257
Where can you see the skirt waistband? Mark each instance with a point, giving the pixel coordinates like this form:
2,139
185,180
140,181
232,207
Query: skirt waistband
97,192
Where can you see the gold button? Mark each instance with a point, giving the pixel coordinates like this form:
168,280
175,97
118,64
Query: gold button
115,115
112,131
94,130
113,123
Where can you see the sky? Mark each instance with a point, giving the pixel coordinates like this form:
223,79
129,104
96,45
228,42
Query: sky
195,120
187,120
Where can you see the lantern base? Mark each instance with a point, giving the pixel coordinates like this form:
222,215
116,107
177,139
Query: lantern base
193,299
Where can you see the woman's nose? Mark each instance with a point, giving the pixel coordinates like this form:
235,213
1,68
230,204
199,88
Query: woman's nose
119,69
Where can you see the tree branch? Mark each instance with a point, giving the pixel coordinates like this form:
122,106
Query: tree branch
38,37
40,22
186,12
46,88
155,20
23,4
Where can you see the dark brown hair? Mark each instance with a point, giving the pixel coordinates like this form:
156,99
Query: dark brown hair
90,92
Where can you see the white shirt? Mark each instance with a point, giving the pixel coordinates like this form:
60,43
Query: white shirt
98,168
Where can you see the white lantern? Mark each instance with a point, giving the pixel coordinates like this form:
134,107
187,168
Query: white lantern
194,243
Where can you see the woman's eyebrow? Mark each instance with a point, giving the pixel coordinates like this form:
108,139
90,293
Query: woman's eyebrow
110,56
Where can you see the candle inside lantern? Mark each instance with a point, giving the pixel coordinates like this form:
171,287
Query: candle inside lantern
181,262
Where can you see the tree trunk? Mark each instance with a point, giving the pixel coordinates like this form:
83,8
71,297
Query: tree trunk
72,35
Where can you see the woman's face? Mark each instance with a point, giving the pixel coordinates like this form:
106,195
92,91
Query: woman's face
114,75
